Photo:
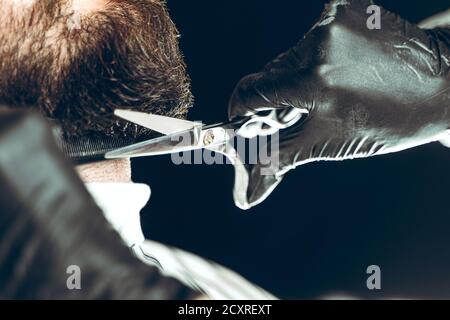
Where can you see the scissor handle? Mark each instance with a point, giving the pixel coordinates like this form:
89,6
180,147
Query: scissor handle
270,123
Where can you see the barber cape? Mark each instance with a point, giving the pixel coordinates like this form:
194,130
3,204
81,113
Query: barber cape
122,203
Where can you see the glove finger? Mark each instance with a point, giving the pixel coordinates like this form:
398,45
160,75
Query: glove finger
250,95
446,140
254,183
274,90
252,187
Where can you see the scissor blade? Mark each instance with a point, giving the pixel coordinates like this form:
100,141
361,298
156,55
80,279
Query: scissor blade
161,124
179,142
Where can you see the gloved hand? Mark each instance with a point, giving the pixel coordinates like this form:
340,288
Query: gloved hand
367,92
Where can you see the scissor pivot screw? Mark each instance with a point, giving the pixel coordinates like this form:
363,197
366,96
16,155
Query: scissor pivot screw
208,138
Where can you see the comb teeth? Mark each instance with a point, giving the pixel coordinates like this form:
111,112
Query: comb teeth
88,149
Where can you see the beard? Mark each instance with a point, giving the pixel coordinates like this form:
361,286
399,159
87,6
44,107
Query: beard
77,69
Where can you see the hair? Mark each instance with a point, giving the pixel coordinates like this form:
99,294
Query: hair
77,69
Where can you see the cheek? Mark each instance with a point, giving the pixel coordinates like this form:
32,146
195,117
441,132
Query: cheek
13,9
19,3
87,6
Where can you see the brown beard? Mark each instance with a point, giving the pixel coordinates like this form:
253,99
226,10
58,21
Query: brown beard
124,56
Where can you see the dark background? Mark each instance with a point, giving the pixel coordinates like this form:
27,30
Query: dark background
326,222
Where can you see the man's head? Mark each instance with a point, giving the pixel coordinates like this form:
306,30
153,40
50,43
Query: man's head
78,60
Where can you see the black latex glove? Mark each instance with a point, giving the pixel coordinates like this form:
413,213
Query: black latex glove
367,92
49,222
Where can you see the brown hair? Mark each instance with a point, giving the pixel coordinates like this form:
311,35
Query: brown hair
123,56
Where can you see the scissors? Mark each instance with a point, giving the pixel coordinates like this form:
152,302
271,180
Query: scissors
217,138
184,136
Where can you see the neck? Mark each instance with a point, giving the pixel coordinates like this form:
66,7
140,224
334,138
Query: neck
118,171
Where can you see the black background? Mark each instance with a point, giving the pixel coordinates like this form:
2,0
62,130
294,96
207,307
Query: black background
326,222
